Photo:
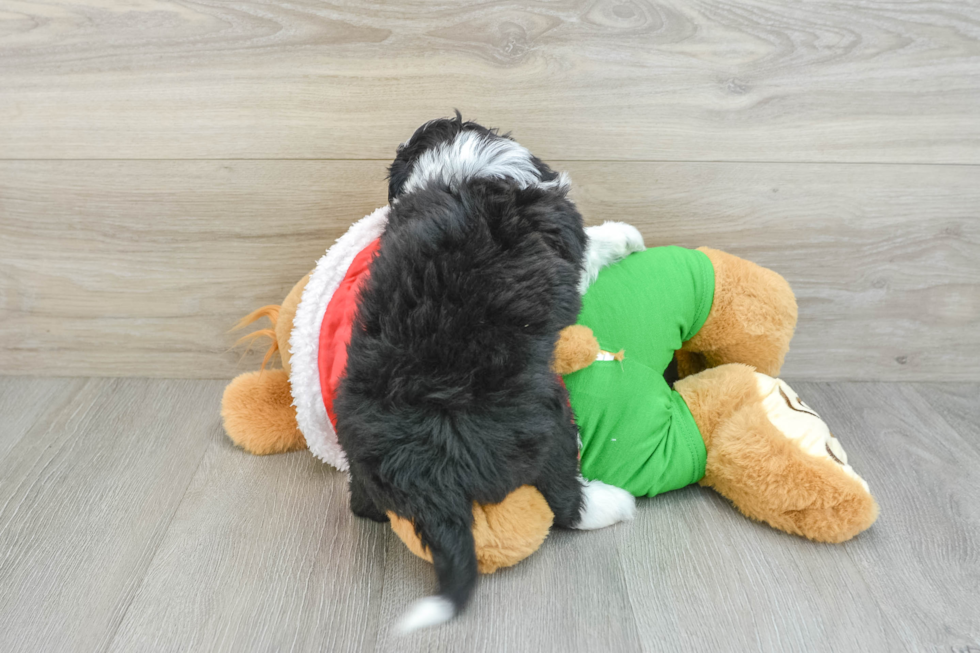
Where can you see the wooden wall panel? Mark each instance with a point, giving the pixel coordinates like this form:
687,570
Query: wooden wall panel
885,260
140,267
759,80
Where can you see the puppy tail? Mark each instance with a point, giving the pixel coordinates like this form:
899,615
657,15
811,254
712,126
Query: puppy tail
454,557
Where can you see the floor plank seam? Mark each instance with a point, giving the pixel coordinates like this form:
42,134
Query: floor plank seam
312,571
381,593
16,509
868,583
629,596
970,447
970,444
50,414
156,550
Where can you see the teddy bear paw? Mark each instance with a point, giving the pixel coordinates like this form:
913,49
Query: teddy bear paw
800,424
604,505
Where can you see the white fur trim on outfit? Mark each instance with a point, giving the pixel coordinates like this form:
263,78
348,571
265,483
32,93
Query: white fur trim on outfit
304,341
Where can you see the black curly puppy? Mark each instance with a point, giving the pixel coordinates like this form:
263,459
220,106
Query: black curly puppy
448,396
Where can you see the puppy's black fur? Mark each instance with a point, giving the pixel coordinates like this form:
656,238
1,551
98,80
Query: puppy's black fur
448,396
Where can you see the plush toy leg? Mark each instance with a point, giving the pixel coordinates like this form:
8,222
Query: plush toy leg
772,457
504,533
752,319
257,409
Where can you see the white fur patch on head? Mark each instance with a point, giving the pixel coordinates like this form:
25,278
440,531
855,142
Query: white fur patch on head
608,242
472,155
604,505
424,613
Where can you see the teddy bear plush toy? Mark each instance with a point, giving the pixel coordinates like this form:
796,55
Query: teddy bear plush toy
720,324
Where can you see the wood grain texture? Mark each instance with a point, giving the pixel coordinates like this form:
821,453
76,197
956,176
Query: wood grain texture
959,406
123,268
263,554
84,500
701,577
884,260
757,80
921,560
26,400
140,268
129,523
569,596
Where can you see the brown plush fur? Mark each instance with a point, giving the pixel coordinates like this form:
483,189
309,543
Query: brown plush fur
505,533
714,395
284,325
752,319
577,348
257,406
272,312
257,409
764,474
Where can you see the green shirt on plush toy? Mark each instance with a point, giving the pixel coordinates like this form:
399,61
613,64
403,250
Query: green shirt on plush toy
637,432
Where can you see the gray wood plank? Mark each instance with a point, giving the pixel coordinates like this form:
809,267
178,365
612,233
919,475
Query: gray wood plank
85,499
263,554
26,399
111,270
872,80
702,577
568,596
958,405
140,268
885,264
128,522
921,560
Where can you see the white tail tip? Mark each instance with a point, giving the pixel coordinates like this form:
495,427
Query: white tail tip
424,613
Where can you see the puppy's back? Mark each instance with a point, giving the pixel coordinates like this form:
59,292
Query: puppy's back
466,297
448,396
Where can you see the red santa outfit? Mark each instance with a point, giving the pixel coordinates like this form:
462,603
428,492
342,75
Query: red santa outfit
321,333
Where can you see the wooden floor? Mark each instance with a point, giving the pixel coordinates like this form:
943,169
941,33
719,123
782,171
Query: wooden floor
128,522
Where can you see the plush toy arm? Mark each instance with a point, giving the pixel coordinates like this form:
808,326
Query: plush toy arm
576,349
